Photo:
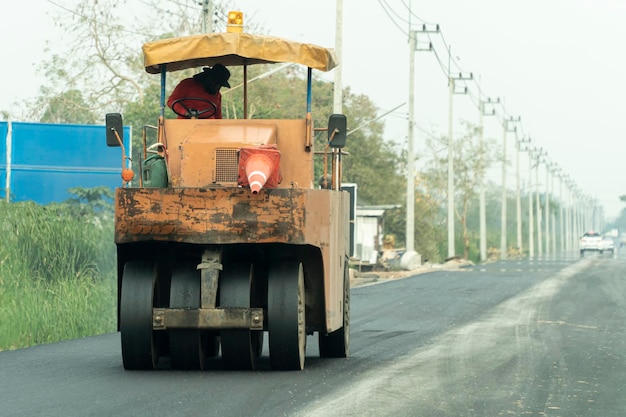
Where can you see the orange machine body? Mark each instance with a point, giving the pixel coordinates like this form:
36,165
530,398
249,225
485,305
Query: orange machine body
205,206
231,237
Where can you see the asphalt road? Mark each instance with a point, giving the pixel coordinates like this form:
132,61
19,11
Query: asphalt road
513,338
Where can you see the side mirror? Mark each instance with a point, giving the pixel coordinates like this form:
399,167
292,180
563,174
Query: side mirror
337,130
115,129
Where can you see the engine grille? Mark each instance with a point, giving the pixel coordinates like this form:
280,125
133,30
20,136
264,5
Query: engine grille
226,165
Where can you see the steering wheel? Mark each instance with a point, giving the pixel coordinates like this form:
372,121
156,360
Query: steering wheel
193,113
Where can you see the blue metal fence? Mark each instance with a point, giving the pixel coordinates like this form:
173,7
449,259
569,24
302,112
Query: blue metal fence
39,162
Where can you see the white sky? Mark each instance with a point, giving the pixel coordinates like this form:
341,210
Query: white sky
557,64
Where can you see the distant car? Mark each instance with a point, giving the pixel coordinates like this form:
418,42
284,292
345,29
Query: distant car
608,244
591,242
622,240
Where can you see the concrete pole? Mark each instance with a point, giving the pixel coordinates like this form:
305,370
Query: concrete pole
581,215
574,220
518,195
577,216
553,220
503,242
539,237
338,87
552,215
531,220
547,213
568,217
410,174
561,213
451,250
481,186
207,16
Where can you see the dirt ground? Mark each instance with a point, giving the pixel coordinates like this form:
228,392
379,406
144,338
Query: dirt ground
367,278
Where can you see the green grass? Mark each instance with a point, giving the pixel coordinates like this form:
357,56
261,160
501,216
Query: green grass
57,273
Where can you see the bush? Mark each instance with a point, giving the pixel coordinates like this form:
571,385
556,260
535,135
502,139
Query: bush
57,272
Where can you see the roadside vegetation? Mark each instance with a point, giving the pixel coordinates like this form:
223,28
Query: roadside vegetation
58,262
57,270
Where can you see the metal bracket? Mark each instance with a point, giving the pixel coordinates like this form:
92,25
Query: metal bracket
202,318
209,267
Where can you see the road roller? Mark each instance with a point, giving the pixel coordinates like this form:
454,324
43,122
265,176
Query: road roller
229,250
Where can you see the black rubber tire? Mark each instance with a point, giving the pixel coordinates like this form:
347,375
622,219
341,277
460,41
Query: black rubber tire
240,348
139,280
187,346
286,316
337,343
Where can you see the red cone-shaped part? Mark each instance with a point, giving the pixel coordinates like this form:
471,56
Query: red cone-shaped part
259,167
258,170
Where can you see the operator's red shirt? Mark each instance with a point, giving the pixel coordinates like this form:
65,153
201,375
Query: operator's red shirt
190,88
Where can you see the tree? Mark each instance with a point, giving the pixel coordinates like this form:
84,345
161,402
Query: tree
102,72
101,59
620,221
68,107
468,171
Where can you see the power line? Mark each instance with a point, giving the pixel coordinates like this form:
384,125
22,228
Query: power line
381,3
394,12
414,15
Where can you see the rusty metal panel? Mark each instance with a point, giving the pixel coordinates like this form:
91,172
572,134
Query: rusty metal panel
210,216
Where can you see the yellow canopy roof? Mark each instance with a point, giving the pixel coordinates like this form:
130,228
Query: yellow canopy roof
233,49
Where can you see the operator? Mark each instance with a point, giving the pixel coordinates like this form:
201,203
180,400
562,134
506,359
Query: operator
199,96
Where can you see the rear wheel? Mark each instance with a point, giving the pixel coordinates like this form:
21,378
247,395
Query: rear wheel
188,347
337,343
240,347
286,315
140,281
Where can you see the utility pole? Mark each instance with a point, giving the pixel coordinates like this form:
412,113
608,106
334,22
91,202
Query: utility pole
503,220
518,195
547,213
557,246
554,170
531,232
560,175
482,209
410,163
576,216
207,16
531,220
578,213
451,84
568,215
539,155
410,179
450,172
338,88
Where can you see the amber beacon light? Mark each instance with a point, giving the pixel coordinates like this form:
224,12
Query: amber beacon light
235,21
